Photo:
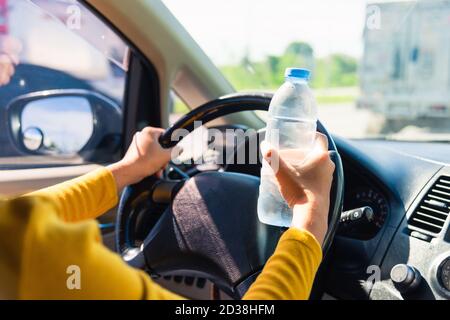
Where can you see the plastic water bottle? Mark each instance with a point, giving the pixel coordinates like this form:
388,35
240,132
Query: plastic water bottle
291,125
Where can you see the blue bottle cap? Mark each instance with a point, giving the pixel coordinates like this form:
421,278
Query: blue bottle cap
298,73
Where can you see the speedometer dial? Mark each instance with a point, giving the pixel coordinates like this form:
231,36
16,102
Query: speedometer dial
369,197
373,199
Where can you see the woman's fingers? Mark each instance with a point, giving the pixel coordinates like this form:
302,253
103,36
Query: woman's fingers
277,163
273,157
319,151
321,141
291,173
159,174
320,147
286,176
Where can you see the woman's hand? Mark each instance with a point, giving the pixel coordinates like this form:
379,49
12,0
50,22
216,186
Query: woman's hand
9,58
144,158
7,68
306,187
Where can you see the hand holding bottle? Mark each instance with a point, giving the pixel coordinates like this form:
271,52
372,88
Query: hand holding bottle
306,187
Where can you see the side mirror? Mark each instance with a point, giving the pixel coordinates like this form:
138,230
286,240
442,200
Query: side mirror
66,123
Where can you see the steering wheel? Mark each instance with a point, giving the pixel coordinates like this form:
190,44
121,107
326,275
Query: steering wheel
207,224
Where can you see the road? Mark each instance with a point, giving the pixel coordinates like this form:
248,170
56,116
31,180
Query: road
345,120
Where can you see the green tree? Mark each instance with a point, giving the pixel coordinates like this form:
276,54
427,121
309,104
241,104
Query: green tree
336,70
300,49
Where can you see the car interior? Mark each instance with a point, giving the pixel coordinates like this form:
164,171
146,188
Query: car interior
389,225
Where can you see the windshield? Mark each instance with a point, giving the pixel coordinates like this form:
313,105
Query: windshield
380,69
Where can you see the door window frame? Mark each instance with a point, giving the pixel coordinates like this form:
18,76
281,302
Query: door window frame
141,100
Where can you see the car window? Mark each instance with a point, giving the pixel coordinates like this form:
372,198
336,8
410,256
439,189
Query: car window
381,68
177,108
62,84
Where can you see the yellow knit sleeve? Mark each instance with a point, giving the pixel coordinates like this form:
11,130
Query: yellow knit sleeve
68,261
83,198
289,274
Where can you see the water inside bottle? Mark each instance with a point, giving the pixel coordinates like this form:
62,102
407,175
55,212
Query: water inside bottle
280,133
291,130
272,209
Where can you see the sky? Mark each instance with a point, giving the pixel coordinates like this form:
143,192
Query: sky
226,29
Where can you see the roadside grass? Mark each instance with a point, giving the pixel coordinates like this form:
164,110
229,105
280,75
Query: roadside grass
335,99
180,107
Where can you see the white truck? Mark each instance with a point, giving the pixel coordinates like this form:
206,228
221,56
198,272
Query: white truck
405,70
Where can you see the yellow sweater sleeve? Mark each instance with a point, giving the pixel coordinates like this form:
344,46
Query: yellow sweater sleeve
68,261
84,198
44,257
289,274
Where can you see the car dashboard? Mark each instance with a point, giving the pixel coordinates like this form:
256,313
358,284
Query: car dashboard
404,252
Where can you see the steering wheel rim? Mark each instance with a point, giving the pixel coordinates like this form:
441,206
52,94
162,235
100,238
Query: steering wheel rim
150,257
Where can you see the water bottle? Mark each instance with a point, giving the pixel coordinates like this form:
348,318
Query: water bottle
291,125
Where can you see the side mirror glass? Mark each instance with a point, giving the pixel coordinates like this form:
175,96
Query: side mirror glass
66,125
60,125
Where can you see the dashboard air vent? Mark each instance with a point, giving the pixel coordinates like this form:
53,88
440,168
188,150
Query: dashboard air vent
434,208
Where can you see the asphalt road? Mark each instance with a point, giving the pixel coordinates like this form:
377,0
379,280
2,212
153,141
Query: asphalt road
345,120
341,119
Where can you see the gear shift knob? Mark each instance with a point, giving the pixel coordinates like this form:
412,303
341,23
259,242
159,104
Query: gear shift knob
405,278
